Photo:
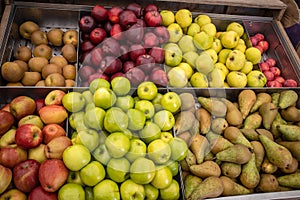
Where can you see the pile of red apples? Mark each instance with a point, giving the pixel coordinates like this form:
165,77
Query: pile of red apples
32,140
122,41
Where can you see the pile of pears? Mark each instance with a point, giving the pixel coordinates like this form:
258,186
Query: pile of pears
199,55
242,146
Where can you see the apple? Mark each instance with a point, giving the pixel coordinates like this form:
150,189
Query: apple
275,70
111,46
97,35
76,156
37,153
53,114
117,144
31,119
271,62
94,118
259,48
106,189
157,53
142,170
146,107
7,120
101,154
99,13
163,177
136,119
150,40
71,37
88,138
92,173
54,97
153,18
25,175
162,33
137,149
71,191
179,149
97,57
127,18
13,194
74,177
253,40
264,45
264,66
6,176
27,28
117,32
6,107
171,192
87,46
150,7
115,120
11,156
171,102
120,86
104,98
73,101
136,50
164,119
135,33
131,190
112,65
269,75
136,8
279,79
38,193
166,136
21,106
56,147
8,138
159,151
159,77
147,90
28,136
85,71
97,83
290,83
87,24
51,131
173,166
273,83
52,174
150,132
145,62
124,53
136,76
259,36
239,79
117,169
113,14
151,192
125,102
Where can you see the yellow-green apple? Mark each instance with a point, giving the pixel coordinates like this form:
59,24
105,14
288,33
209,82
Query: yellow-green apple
193,29
37,153
171,102
177,77
213,54
236,79
120,85
76,121
156,102
136,119
173,166
117,144
6,177
53,114
97,83
223,69
183,17
150,132
13,194
7,120
235,60
237,27
241,46
216,45
173,54
202,40
253,55
88,96
168,17
115,120
151,192
71,191
101,154
222,56
147,90
129,189
248,67
190,58
142,170
94,118
256,78
199,79
175,32
21,106
39,193
204,63
73,101
25,175
137,149
27,28
56,147
229,39
74,177
216,78
54,97
31,119
163,177
117,169
187,68
171,192
106,189
28,136
202,19
8,138
88,138
209,29
52,174
125,102
159,151
166,136
11,156
76,157
92,173
179,149
104,98
164,119
186,43
51,131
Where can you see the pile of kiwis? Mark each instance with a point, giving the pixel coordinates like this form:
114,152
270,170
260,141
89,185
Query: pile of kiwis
38,66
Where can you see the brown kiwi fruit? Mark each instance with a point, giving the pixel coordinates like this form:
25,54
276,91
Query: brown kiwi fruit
22,64
50,69
55,37
69,72
39,37
36,64
59,60
42,50
40,83
70,83
69,53
55,79
12,72
31,78
23,53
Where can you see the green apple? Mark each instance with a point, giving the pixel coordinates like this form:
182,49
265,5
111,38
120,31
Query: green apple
89,138
136,119
104,98
177,77
94,118
89,105
179,149
170,192
71,191
237,27
187,69
236,79
131,190
213,54
156,102
147,90
163,177
115,120
73,101
223,54
106,189
159,151
146,107
171,102
216,45
202,19
92,173
117,144
125,102
118,169
235,60
256,78
137,149
164,119
173,54
173,166
223,69
175,32
193,29
168,17
166,136
199,80
210,29
253,55
216,78
142,170
101,154
240,46
204,63
151,193
150,132
88,96
76,156
248,67
183,17
186,43
74,177
202,40
76,121
229,39
190,58
98,83
120,86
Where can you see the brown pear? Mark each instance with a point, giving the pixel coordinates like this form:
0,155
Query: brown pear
259,151
250,134
234,135
291,168
215,106
293,147
23,53
204,118
190,183
218,125
262,131
31,78
291,114
55,36
261,98
36,64
246,99
238,153
206,169
268,111
199,146
190,158
233,116
268,183
184,121
268,167
289,132
253,121
250,176
218,142
11,72
187,100
69,53
232,188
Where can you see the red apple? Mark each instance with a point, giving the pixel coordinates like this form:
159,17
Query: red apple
136,50
54,97
279,79
253,41
39,104
275,70
145,62
13,194
53,114
7,120
97,35
127,18
159,77
28,136
113,14
124,52
97,75
51,131
85,36
39,194
150,7
111,46
25,175
5,177
135,75
6,107
96,56
99,13
158,54
162,34
141,22
150,40
136,8
135,33
21,106
117,32
259,36
85,58
56,147
153,18
264,66
86,46
271,62
11,156
52,174
128,65
264,44
87,24
112,65
85,71
290,83
273,84
269,75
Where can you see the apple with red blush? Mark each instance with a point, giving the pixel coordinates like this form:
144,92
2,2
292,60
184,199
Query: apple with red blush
264,45
38,194
290,83
275,70
135,75
99,13
97,35
259,36
28,136
271,62
159,77
273,83
264,66
279,79
7,120
145,62
259,48
51,131
150,7
11,156
87,46
113,14
127,18
87,24
117,32
150,40
153,18
253,41
56,147
85,36
158,54
6,107
269,75
22,106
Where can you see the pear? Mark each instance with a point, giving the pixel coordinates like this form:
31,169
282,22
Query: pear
206,169
246,99
250,134
190,158
262,131
268,167
213,105
268,183
287,98
250,175
233,114
291,114
261,98
289,132
187,101
233,188
293,147
268,111
204,119
290,180
275,98
253,121
234,135
217,142
231,170
277,122
259,151
238,153
218,125
291,168
276,153
184,121
199,146
190,183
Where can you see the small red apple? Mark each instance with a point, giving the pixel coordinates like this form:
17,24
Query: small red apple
259,48
159,77
96,56
127,18
162,34
97,35
153,18
259,36
39,194
99,13
87,24
86,46
136,50
253,41
136,8
271,62
113,14
158,54
290,83
269,75
28,136
150,7
264,66
275,70
274,84
264,44
117,32
127,65
279,79
85,71
150,40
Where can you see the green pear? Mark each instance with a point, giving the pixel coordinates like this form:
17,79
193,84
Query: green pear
204,63
246,100
253,121
259,151
275,98
231,170
290,180
232,188
293,147
268,111
217,142
250,134
261,98
229,39
289,132
287,98
186,44
238,153
184,121
213,105
199,80
291,114
193,29
190,183
235,60
250,176
173,54
234,135
277,122
202,40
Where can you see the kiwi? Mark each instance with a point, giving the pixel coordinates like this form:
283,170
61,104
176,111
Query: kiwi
59,60
55,79
22,64
55,37
70,83
50,69
42,50
69,72
31,78
23,53
69,53
36,64
12,72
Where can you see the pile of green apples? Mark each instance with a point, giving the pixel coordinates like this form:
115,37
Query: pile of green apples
200,55
123,146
